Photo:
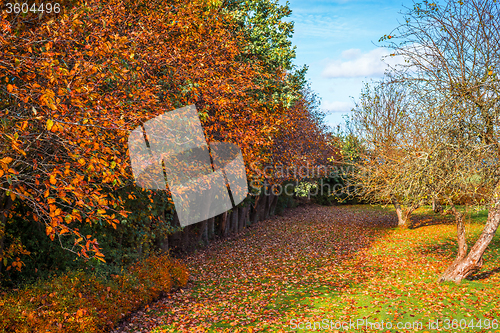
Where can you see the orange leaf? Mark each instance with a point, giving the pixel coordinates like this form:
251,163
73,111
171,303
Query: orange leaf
6,160
10,87
53,179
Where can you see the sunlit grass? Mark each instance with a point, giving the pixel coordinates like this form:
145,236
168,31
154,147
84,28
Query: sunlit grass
307,267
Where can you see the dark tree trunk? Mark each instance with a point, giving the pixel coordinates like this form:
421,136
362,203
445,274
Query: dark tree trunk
203,233
242,218
263,208
466,265
260,207
269,202
247,216
436,206
234,220
5,206
211,227
229,226
223,224
274,204
185,238
162,243
254,216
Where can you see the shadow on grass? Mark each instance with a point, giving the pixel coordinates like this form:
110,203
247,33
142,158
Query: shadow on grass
445,248
420,221
484,275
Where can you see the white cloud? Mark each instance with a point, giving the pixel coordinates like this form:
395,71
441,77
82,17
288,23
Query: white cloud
358,64
336,106
351,54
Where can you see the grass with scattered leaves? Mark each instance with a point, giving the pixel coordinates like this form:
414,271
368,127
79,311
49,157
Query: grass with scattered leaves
328,265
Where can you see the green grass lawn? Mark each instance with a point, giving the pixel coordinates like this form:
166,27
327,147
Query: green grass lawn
329,265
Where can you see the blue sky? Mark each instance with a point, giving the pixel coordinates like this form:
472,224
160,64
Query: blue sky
338,40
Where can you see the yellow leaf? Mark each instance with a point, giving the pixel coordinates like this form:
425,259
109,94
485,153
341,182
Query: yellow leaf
50,123
490,73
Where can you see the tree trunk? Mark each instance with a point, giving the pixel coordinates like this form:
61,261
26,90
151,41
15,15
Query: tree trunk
436,206
471,263
234,220
263,208
185,238
242,218
203,233
399,212
211,227
5,206
162,243
403,213
254,214
461,240
274,204
407,213
223,225
269,203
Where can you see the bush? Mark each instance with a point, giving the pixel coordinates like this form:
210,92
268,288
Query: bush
81,302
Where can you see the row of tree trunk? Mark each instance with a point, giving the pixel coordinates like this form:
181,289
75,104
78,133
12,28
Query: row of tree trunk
229,223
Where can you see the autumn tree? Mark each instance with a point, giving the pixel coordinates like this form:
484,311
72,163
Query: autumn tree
70,102
73,86
383,122
451,62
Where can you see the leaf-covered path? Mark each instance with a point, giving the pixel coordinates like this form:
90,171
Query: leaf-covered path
321,263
